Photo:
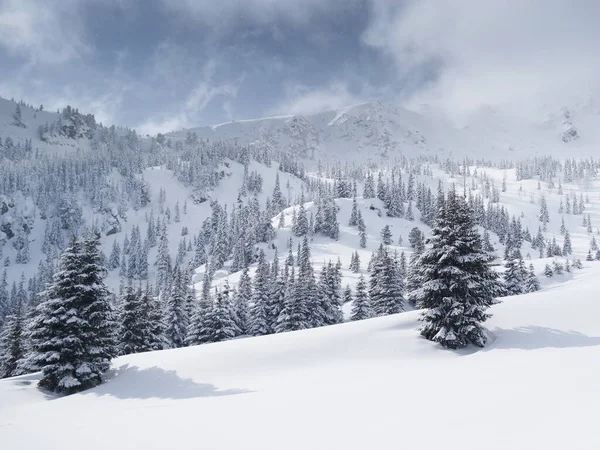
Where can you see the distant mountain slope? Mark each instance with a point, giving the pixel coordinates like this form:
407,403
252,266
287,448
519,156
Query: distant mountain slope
371,131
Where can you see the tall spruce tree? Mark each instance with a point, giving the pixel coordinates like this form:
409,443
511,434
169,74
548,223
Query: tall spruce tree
133,330
219,322
176,314
457,284
385,286
259,317
72,337
361,307
12,342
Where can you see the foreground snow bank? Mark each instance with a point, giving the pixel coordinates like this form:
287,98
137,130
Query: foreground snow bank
373,384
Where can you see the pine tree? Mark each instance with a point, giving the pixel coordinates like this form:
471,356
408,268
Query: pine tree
385,286
416,239
276,299
12,342
557,267
532,284
457,284
361,308
330,300
513,277
241,301
369,189
362,231
258,323
72,337
152,311
347,296
17,117
548,271
301,310
386,235
355,263
176,314
567,248
163,263
294,315
133,323
114,260
219,322
300,225
177,213
544,216
354,214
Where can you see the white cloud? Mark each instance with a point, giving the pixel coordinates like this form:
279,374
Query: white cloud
515,52
45,31
198,99
223,14
301,99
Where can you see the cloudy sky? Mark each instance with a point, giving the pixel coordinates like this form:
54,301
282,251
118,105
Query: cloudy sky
160,65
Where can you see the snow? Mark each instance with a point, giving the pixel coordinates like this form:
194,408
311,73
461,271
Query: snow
369,384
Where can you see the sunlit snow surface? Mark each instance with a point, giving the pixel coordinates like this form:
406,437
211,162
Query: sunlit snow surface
371,384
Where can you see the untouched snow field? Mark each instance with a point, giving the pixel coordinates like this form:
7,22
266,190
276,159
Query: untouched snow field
367,385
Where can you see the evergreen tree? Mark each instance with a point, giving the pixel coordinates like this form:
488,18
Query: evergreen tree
548,271
362,231
133,324
544,216
241,301
176,314
114,260
300,225
416,239
294,315
163,263
17,118
385,286
219,322
330,301
152,312
12,342
567,248
361,308
386,235
72,337
355,263
276,300
258,323
513,277
354,214
347,296
532,284
457,284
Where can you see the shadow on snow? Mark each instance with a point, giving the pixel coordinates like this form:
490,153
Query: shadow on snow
154,382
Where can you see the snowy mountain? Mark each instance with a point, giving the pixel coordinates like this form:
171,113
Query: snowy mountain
210,222
373,131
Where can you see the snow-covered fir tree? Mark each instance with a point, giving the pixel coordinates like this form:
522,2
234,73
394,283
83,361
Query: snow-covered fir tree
73,335
361,307
176,312
457,284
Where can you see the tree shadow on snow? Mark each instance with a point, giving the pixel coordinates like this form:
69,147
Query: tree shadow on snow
154,382
535,337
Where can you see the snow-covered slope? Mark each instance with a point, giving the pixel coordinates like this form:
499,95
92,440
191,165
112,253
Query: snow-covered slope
371,384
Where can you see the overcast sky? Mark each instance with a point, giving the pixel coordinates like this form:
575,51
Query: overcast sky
160,65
